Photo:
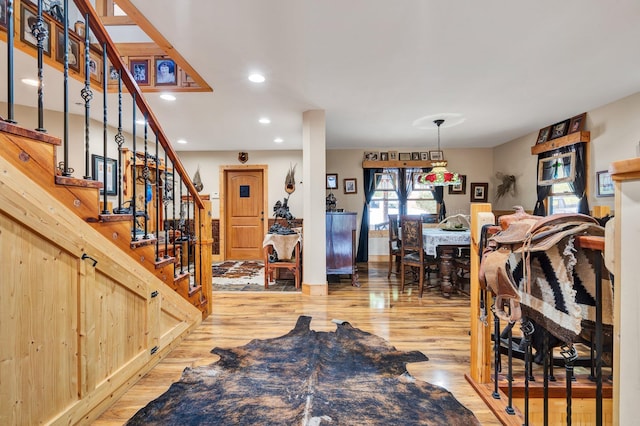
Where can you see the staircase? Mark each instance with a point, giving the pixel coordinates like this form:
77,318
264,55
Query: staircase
87,305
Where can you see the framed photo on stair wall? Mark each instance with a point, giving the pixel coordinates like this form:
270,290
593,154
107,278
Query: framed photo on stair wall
99,169
3,14
479,192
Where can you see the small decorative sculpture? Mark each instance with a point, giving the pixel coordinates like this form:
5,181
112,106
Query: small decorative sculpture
331,202
281,211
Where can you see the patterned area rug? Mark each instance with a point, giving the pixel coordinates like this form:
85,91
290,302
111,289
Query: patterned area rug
310,378
246,275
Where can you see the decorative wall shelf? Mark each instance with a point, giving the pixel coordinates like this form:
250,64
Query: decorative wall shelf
570,139
397,164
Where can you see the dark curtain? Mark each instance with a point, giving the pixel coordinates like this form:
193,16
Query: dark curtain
402,191
369,190
438,194
579,184
542,190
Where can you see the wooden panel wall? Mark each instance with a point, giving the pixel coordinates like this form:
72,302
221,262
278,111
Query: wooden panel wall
74,335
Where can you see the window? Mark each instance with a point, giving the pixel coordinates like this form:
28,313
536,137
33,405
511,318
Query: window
562,199
385,200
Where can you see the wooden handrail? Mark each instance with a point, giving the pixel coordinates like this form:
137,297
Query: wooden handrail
103,37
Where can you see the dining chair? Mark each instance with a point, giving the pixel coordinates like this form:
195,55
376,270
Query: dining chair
394,245
411,250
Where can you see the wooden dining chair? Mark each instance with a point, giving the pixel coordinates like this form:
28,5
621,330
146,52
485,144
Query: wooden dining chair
394,245
411,251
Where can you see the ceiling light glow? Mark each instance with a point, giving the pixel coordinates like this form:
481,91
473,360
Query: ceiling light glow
167,97
257,78
278,140
264,120
181,141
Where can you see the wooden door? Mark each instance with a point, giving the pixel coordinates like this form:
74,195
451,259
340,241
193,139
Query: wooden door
244,214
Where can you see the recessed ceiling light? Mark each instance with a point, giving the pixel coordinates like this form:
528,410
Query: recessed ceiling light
181,141
167,97
30,82
278,140
257,78
264,120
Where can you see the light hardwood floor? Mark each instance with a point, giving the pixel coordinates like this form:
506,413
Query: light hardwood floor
436,326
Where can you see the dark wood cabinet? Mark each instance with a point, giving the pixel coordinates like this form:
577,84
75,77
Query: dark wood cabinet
341,245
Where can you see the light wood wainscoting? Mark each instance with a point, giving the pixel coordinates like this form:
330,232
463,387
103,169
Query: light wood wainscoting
76,331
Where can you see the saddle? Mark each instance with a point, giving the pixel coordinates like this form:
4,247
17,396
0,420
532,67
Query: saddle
534,269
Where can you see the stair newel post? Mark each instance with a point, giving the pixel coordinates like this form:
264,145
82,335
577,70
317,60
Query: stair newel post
87,95
145,176
40,32
132,204
10,88
157,201
119,136
105,210
165,200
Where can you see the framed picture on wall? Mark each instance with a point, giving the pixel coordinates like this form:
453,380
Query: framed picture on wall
140,70
350,186
110,167
28,15
332,181
543,135
560,129
604,184
479,192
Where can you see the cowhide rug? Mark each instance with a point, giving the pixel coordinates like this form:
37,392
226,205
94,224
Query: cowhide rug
346,377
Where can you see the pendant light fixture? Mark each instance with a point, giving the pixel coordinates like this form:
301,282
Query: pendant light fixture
439,175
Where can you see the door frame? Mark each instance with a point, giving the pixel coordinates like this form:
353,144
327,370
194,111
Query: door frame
223,172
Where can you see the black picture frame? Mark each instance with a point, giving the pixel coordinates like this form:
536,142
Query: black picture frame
543,135
4,21
95,66
169,79
27,15
139,69
350,186
75,56
459,188
577,123
332,181
559,129
97,171
604,184
479,192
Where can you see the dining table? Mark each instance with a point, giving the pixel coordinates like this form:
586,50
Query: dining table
442,244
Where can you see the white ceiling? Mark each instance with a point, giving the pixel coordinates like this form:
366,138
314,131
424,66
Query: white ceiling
375,66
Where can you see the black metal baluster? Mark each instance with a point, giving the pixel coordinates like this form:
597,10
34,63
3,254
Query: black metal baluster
545,396
119,138
165,201
65,85
87,95
189,236
10,66
174,227
40,32
496,354
133,172
105,210
510,410
183,234
145,177
599,337
527,331
157,201
570,354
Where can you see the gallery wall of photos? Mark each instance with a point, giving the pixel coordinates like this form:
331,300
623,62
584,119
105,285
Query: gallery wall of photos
152,73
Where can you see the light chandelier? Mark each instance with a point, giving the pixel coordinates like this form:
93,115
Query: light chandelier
439,175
